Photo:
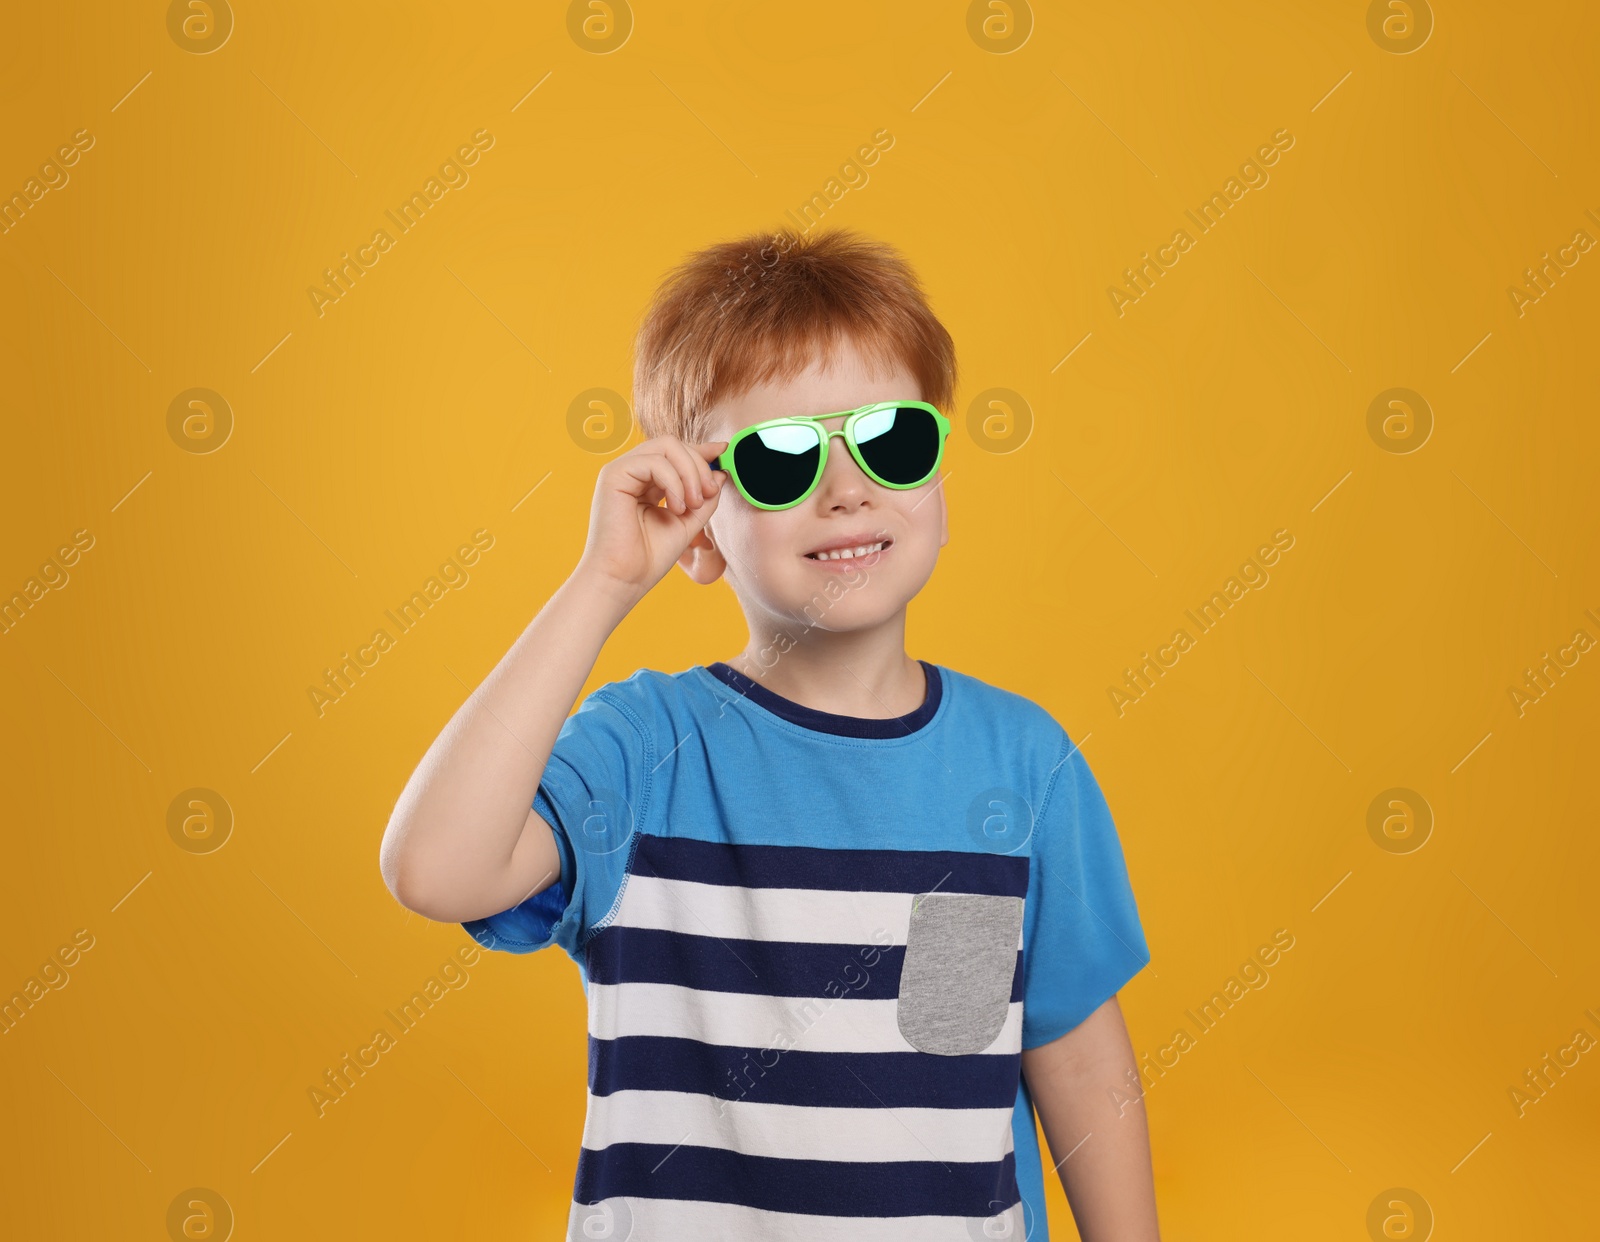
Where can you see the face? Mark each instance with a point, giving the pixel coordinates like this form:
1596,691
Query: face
764,552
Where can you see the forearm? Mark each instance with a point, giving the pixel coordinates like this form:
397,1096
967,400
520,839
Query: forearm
1095,1124
455,846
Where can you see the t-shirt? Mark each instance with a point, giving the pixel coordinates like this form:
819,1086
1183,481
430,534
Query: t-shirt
814,947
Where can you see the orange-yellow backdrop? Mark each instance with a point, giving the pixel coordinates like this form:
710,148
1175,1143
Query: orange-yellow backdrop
1117,461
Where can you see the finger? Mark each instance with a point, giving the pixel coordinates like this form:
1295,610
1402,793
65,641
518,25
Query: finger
654,469
698,516
697,469
691,470
637,467
693,516
709,451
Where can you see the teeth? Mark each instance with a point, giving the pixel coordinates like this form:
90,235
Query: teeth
846,554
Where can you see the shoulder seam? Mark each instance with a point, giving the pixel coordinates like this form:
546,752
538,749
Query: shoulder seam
1067,748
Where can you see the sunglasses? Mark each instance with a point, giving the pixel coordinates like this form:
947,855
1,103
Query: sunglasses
778,463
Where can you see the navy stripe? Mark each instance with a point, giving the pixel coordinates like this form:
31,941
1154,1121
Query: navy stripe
814,1187
849,871
756,967
819,1079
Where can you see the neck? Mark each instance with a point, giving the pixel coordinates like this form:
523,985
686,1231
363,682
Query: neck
864,673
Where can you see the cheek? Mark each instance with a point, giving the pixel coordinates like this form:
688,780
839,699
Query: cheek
745,534
777,536
921,513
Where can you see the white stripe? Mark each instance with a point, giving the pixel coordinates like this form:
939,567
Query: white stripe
798,915
796,1131
804,915
689,1220
742,1020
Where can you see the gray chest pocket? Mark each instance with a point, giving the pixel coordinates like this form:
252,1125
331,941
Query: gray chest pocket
955,985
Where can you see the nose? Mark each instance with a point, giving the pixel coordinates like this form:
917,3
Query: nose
844,484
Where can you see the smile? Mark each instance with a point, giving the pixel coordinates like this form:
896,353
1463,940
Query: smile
850,554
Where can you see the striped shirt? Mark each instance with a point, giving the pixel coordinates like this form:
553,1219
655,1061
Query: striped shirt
814,948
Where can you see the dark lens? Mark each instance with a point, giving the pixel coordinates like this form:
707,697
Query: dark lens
900,444
777,464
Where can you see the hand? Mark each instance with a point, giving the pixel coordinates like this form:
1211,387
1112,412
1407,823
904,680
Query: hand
634,539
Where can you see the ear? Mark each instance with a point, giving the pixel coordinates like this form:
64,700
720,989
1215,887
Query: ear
701,560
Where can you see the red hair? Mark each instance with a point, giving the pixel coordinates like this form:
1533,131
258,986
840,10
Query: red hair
765,307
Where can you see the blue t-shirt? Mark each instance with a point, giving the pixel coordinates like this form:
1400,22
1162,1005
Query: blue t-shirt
814,947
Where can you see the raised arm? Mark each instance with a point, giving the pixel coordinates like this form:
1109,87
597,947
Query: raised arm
463,842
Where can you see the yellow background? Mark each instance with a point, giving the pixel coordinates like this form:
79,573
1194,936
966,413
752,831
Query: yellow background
370,442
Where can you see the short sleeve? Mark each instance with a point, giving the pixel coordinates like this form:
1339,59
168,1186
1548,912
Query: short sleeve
1082,939
594,794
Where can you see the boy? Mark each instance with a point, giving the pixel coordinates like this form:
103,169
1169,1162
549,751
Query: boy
844,918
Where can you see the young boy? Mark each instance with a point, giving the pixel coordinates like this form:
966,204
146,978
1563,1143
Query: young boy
844,918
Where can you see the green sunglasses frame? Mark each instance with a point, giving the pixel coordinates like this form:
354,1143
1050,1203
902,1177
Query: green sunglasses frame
724,460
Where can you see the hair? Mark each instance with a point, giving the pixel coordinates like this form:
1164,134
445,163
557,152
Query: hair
765,307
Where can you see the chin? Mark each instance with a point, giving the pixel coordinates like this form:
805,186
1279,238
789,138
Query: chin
838,607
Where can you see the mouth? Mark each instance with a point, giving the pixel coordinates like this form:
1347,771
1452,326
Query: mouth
844,552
